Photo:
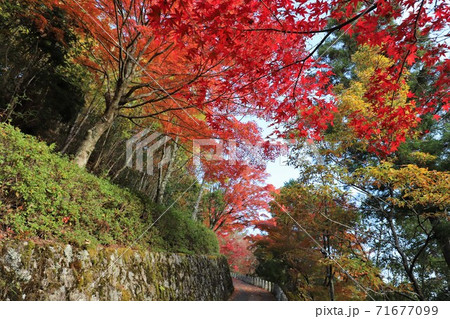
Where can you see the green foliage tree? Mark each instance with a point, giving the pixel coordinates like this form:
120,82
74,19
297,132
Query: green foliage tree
314,238
403,198
40,89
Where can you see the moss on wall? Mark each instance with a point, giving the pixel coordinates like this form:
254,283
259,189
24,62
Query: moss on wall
41,272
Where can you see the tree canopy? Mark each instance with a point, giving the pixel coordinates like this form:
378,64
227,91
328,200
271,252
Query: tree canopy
359,87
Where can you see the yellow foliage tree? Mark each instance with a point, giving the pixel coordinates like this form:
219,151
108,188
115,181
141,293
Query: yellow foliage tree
380,124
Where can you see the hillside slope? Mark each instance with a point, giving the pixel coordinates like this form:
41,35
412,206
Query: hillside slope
44,196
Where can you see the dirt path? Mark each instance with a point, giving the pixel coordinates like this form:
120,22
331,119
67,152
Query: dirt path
247,292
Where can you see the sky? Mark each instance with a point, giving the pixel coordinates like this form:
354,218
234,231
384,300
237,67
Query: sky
279,171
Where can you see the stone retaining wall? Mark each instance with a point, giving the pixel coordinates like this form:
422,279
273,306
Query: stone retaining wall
41,272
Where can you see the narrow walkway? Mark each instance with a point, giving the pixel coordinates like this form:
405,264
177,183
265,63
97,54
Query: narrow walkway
246,292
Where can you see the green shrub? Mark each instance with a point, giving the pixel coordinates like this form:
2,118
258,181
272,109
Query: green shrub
180,233
45,195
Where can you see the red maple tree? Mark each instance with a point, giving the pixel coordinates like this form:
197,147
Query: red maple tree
204,61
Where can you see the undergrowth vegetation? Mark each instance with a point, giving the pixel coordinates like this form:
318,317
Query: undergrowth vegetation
43,195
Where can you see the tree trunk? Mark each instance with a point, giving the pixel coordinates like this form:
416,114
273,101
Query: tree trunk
441,232
170,169
197,202
331,282
408,269
78,123
329,268
93,135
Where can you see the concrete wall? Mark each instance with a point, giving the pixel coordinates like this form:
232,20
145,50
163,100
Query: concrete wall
51,272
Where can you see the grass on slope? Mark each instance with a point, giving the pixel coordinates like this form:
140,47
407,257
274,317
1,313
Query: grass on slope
44,195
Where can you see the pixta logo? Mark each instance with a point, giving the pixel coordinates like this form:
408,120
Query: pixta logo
148,143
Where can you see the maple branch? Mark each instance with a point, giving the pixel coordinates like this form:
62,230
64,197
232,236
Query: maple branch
125,100
134,88
157,113
186,127
303,61
332,29
119,31
222,218
416,20
421,250
273,14
329,31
